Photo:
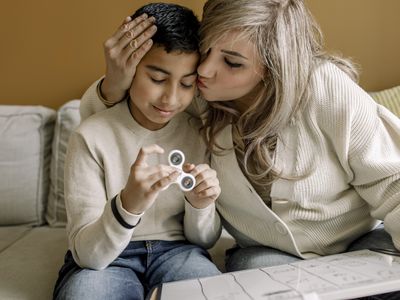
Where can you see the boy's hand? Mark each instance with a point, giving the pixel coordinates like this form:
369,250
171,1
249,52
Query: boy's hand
123,52
207,187
145,182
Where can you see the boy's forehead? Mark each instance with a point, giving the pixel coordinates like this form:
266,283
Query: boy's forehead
178,61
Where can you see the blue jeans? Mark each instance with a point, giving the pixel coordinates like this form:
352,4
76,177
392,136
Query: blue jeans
142,266
258,256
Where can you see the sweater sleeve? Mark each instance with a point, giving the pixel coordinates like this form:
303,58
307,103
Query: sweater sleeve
202,226
96,237
375,161
365,137
91,101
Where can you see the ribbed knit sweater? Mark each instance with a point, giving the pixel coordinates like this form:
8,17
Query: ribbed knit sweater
99,157
348,147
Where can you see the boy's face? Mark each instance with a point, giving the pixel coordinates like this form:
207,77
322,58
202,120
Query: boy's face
164,85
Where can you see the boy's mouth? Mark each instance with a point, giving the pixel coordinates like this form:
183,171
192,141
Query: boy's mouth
164,111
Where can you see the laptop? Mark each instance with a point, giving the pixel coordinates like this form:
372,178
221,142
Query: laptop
340,276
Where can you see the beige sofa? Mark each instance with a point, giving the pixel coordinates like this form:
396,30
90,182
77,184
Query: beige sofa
33,242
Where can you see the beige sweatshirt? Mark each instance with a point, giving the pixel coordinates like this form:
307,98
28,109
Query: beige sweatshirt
100,154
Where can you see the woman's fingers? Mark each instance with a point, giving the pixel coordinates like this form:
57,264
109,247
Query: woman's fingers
125,27
136,36
138,47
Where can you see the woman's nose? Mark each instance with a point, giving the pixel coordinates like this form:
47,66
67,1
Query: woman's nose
206,68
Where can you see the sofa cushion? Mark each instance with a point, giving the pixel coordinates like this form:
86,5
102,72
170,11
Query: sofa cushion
389,98
10,234
25,134
30,265
68,119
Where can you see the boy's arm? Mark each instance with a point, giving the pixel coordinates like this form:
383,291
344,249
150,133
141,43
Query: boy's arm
95,234
202,226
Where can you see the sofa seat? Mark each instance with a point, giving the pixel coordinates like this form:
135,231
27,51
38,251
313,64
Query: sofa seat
30,258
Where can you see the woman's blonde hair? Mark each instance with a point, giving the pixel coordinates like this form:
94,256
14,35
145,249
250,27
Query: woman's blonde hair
289,43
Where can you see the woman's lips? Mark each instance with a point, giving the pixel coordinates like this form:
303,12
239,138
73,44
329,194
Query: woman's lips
201,84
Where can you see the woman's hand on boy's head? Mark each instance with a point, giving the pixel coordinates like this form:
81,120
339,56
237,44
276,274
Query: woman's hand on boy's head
207,187
123,52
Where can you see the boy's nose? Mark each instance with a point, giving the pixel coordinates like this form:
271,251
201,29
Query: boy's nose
170,96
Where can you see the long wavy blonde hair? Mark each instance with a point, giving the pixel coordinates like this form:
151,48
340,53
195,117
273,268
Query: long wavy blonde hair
289,43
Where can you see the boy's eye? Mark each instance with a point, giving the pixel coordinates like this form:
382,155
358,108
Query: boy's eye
232,64
186,86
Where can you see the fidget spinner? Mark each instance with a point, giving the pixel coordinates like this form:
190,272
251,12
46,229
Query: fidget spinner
186,181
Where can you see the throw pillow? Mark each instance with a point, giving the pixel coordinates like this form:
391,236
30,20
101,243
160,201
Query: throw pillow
68,119
26,133
389,98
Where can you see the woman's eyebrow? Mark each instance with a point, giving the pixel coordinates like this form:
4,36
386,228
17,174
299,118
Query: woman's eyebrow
158,69
234,53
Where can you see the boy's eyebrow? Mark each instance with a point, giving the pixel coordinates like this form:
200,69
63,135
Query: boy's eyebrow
158,69
234,53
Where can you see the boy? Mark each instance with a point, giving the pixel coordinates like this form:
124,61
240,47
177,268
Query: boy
128,233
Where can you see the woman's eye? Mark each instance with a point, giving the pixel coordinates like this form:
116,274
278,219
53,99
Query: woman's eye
231,64
157,80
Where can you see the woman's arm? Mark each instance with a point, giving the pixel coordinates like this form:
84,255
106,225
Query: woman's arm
123,52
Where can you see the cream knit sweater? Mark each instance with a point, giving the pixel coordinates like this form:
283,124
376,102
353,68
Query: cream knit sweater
349,147
100,154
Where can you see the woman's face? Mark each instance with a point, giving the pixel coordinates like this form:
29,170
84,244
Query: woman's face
230,70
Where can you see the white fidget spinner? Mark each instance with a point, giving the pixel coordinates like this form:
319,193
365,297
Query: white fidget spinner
186,181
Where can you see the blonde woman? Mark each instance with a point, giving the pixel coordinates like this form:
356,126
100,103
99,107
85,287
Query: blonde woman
309,164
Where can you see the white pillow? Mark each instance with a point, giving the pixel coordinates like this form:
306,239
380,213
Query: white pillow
26,133
68,119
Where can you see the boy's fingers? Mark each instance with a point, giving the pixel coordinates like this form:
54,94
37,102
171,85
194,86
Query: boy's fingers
188,167
209,193
160,170
163,182
145,151
199,169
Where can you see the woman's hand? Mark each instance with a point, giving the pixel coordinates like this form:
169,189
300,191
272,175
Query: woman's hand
207,187
145,182
123,52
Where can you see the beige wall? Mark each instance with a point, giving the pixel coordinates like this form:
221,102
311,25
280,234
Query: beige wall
50,51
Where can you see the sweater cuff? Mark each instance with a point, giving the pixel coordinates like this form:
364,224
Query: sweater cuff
199,212
125,218
104,100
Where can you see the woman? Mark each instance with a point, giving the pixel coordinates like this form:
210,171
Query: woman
308,163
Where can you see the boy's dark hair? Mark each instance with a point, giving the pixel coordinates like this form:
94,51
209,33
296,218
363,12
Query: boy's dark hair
177,26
